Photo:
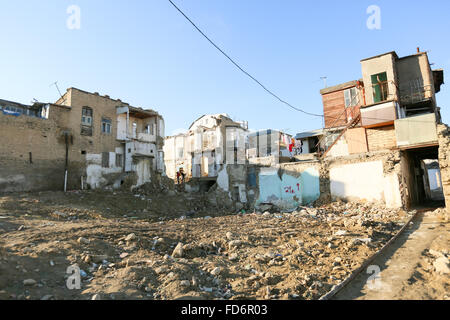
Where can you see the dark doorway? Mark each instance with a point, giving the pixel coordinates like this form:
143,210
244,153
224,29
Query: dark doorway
421,173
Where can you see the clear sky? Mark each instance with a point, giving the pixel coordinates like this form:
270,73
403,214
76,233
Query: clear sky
147,54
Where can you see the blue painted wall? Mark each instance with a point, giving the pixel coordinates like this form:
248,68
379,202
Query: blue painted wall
289,191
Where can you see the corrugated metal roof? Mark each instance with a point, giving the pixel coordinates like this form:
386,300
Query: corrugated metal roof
307,134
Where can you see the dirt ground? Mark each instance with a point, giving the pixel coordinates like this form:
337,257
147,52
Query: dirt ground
408,268
172,246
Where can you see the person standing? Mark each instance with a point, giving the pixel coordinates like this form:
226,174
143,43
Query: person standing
178,176
182,175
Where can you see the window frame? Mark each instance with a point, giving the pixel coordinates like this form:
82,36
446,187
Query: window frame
106,123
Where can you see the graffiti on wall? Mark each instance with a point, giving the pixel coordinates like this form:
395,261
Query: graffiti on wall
290,189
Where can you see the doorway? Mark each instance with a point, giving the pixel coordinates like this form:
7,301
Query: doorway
422,177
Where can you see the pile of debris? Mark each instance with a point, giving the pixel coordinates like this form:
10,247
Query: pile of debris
158,184
281,255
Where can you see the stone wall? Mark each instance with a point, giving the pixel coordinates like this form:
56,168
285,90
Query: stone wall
32,155
444,161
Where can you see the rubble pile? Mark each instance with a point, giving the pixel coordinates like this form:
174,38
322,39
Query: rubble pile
159,184
281,255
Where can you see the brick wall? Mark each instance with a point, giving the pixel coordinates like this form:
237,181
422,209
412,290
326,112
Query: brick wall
381,138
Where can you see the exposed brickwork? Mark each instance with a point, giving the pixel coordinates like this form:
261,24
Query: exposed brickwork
381,138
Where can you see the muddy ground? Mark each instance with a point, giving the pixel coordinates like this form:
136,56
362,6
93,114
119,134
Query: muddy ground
172,246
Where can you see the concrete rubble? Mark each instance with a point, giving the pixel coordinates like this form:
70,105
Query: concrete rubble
273,255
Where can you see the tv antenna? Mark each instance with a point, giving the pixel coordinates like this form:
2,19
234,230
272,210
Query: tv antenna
56,85
324,81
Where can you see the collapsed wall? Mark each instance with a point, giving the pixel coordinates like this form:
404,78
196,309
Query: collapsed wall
444,161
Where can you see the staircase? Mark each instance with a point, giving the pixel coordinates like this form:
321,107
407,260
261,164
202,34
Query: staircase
349,125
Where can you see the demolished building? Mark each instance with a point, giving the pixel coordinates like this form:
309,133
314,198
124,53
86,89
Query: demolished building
84,140
211,151
379,132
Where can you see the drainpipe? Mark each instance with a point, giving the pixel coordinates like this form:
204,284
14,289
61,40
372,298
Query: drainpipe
66,138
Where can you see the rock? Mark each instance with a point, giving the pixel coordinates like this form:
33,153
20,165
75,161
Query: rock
130,237
234,244
436,253
233,257
29,282
46,297
82,240
178,251
229,236
96,297
22,227
185,283
441,265
161,270
216,271
364,240
87,259
266,214
340,233
60,214
99,258
265,207
123,255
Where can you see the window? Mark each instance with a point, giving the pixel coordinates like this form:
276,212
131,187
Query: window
106,126
86,121
119,160
86,116
351,97
134,129
379,87
152,129
180,152
105,159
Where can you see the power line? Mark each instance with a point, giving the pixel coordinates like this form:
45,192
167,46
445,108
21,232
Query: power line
258,82
240,68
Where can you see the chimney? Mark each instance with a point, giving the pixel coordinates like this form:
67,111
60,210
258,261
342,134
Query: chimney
418,50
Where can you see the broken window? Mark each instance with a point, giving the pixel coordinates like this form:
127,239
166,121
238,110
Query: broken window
106,126
119,160
86,121
180,153
134,130
149,129
105,159
351,97
379,87
86,116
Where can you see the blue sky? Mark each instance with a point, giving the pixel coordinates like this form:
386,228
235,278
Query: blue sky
147,54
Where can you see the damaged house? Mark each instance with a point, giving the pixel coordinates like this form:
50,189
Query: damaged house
382,135
84,140
211,151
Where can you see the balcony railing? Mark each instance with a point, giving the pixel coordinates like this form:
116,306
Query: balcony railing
415,94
